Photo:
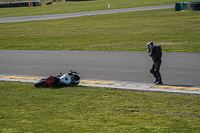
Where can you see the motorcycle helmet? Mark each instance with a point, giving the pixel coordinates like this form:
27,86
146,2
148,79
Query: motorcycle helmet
150,46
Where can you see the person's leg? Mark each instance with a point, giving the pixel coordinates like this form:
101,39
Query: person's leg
152,71
157,71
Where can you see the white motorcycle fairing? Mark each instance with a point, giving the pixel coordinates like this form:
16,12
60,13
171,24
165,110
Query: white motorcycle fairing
66,79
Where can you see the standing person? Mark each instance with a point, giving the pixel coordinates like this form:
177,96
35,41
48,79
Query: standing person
155,52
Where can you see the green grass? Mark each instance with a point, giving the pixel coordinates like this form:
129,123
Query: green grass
68,7
174,31
25,108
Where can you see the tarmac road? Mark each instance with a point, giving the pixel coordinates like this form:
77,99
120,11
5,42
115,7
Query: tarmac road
176,69
78,14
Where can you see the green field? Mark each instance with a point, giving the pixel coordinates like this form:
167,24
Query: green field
25,108
174,31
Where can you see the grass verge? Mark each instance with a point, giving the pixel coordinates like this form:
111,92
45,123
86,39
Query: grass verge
174,31
25,108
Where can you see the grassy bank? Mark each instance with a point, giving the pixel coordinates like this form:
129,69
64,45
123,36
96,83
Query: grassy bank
68,7
25,108
174,31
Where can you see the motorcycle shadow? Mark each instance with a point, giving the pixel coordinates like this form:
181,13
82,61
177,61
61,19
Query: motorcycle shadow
65,86
58,87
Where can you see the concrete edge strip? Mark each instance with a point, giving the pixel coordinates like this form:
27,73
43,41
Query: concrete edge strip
112,84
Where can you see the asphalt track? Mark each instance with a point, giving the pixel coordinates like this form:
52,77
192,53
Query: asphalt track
181,69
78,14
176,68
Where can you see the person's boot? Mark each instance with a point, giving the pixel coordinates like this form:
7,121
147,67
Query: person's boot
155,81
156,77
159,83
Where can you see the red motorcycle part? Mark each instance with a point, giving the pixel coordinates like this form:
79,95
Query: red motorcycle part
50,81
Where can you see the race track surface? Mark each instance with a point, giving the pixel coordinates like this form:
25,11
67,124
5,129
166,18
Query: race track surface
176,68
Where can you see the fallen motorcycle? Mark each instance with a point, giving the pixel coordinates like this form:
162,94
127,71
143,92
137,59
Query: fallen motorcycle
71,78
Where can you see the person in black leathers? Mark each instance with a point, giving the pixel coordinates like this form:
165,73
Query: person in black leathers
155,52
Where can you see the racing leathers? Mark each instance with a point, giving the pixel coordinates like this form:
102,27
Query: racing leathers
156,54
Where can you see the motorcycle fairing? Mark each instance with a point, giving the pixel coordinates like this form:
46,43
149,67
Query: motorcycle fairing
50,81
66,79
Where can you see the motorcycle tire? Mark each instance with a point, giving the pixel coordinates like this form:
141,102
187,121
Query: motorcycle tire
40,83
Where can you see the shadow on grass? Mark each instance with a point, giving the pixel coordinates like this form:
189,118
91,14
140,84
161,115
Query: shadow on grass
60,87
64,86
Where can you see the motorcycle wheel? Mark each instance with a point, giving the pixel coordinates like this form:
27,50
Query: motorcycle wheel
40,83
